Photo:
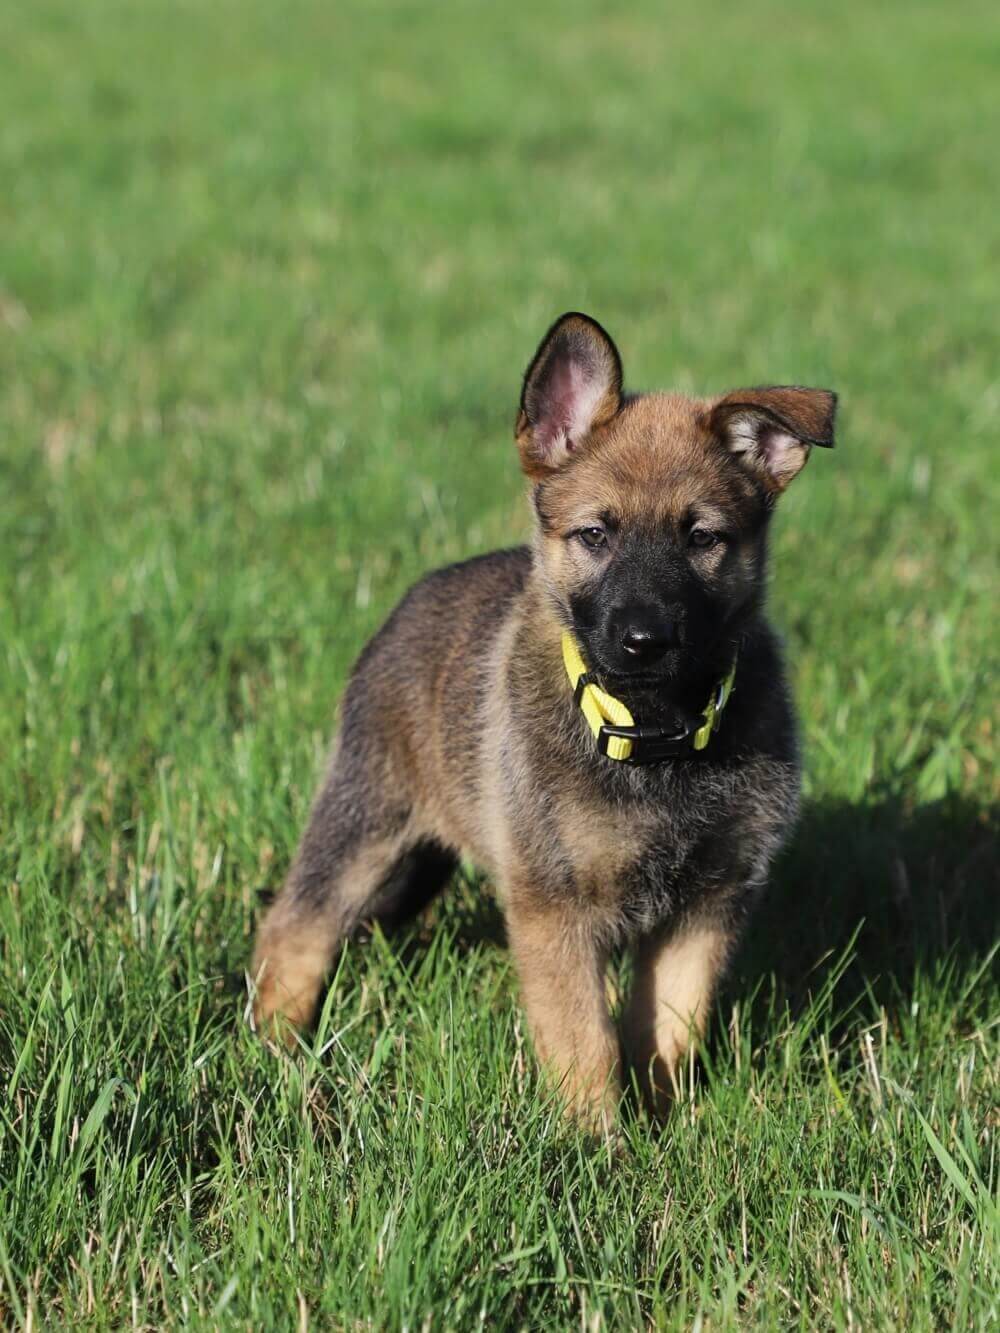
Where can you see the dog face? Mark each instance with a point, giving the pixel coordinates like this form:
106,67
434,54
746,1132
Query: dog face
652,510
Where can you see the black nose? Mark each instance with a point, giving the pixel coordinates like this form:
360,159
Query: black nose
646,644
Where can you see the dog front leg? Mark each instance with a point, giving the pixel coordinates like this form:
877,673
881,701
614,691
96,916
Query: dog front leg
560,964
676,972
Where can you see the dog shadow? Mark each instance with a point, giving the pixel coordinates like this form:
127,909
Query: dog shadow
878,891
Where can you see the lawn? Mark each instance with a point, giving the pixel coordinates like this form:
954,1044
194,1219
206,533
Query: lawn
268,279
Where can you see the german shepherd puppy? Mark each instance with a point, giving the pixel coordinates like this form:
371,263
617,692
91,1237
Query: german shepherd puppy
600,720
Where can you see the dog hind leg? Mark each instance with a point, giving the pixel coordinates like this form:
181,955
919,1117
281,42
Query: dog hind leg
312,915
361,857
384,880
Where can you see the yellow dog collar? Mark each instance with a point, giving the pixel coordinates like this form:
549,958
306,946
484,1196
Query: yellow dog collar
617,734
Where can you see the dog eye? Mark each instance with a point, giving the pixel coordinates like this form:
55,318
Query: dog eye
702,538
593,537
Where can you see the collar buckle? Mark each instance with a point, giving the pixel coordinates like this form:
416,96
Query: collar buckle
650,745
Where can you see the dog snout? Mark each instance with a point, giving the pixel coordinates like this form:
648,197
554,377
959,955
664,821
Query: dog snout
646,641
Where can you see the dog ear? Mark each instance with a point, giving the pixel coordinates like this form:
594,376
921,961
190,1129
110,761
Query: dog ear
772,430
572,387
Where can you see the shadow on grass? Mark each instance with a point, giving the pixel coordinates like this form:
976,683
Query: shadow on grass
916,884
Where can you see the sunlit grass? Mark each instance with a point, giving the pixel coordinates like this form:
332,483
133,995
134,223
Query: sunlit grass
268,279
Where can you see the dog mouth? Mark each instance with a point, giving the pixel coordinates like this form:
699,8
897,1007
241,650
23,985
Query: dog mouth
648,676
654,677
670,678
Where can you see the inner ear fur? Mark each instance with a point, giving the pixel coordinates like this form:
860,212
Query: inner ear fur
771,430
572,387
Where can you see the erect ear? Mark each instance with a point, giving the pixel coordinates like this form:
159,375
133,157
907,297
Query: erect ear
772,429
573,386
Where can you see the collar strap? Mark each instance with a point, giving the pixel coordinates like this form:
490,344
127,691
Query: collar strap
617,734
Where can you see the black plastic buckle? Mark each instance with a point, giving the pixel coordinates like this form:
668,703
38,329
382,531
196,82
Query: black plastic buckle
650,745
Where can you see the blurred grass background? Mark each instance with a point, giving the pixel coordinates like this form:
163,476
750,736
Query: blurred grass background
268,280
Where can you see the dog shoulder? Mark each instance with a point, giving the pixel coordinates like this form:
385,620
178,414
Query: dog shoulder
456,600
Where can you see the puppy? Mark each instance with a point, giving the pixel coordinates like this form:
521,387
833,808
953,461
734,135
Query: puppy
600,720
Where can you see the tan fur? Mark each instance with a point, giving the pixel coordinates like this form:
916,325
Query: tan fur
290,962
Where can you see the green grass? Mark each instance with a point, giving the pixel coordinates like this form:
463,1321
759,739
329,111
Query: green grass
268,277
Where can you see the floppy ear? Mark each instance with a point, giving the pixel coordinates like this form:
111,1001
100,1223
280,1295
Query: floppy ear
573,386
772,429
